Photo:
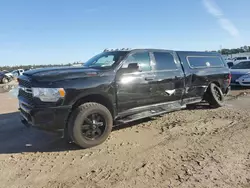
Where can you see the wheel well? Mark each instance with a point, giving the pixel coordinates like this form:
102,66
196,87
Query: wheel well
95,98
207,89
213,82
216,83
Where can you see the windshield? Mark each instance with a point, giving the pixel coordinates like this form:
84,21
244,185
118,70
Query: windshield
105,59
242,65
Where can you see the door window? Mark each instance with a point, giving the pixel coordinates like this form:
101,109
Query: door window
142,58
164,61
202,61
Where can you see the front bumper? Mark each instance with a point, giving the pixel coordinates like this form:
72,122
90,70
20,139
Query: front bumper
49,118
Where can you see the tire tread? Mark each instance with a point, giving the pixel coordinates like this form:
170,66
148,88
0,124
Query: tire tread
82,109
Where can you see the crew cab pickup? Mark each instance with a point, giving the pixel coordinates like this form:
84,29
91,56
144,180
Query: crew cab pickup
119,86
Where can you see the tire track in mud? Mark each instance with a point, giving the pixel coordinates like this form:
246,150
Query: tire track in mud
137,167
188,148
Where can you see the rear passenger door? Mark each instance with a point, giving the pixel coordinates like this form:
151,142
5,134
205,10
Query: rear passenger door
169,77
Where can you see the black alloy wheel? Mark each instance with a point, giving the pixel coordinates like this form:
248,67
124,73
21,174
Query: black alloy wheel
93,126
90,124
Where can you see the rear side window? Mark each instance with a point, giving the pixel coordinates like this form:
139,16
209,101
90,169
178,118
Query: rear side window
164,61
205,61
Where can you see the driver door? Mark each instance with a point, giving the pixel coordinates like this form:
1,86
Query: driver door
134,87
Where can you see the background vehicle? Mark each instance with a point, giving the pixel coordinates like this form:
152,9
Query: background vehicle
237,60
5,71
117,87
241,74
14,74
17,72
230,64
4,78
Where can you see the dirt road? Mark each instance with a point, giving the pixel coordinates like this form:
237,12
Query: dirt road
200,147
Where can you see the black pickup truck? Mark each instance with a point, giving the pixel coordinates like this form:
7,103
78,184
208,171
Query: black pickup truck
119,86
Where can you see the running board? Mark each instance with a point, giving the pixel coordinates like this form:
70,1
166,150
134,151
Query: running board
145,114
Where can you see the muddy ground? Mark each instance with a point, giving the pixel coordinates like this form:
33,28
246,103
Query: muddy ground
198,147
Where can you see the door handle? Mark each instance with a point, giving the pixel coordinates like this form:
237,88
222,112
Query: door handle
149,78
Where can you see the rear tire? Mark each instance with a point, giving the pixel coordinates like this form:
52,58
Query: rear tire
214,96
90,124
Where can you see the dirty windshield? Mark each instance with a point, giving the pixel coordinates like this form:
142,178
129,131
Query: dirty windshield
105,59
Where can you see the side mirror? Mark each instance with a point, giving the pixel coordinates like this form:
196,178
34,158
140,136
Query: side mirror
133,67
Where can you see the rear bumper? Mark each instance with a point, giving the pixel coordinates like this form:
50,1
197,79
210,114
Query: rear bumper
227,90
51,119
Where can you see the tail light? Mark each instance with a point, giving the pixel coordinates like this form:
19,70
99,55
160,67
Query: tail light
229,78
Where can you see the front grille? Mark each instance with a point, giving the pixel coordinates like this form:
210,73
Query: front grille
26,115
24,82
27,96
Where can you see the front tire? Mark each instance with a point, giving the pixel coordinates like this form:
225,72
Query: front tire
214,96
90,124
5,80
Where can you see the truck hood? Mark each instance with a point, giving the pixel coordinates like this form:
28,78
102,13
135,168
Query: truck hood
62,73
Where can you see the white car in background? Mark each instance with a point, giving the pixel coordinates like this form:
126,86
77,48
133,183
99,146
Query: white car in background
241,74
15,73
237,60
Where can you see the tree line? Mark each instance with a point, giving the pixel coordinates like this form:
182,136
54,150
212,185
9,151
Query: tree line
242,49
27,67
223,51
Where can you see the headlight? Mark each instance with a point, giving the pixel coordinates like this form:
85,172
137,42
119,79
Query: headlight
48,94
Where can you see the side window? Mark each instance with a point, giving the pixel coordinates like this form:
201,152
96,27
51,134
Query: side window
142,58
164,61
201,62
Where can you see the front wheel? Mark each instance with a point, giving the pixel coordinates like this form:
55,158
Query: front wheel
5,80
90,124
214,96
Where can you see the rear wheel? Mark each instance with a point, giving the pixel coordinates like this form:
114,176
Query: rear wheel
214,96
90,124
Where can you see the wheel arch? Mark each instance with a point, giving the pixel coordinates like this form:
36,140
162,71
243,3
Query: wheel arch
98,98
212,82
